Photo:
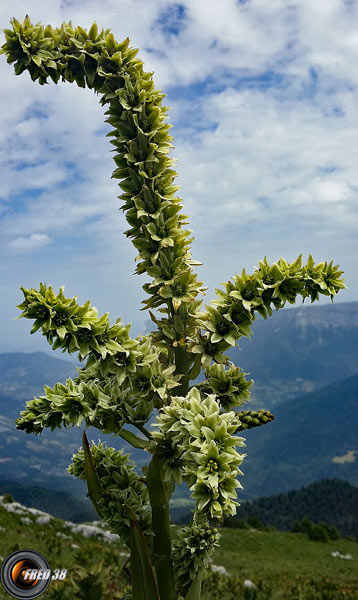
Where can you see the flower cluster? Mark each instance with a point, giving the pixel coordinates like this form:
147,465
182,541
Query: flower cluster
192,548
72,327
199,447
107,401
122,487
66,404
141,143
121,382
229,385
249,294
143,374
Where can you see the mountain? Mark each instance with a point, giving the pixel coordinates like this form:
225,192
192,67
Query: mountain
299,350
312,437
333,501
23,375
42,459
60,504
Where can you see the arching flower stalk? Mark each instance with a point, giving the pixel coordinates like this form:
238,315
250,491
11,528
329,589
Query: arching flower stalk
124,379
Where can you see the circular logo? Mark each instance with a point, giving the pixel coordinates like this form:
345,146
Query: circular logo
25,574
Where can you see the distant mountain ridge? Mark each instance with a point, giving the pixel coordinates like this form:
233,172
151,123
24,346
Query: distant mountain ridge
295,351
299,350
60,503
313,436
23,375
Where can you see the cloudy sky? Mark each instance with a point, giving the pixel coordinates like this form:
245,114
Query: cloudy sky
263,99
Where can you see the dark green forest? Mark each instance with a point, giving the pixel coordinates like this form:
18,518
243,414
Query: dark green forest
332,501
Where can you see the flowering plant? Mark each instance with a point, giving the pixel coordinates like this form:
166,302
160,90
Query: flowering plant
125,379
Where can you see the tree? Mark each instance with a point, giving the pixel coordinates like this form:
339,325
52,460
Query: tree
123,378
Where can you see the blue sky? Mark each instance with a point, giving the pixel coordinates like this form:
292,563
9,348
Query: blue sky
263,99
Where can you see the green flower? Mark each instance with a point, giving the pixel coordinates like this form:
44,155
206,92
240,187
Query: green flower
288,289
229,385
141,382
149,249
240,317
184,289
213,464
196,428
149,204
245,289
137,411
163,274
153,379
222,329
209,351
170,454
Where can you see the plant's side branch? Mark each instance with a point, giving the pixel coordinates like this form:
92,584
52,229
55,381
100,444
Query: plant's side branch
144,431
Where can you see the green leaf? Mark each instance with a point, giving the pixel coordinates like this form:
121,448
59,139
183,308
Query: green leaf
37,60
168,331
93,32
94,487
194,592
133,439
144,585
196,368
215,338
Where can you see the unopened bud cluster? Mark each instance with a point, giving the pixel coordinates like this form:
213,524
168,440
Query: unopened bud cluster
192,548
254,418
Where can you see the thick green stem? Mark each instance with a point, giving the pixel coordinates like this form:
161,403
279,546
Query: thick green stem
182,363
159,496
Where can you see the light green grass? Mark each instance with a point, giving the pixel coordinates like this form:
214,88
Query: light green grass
284,566
249,553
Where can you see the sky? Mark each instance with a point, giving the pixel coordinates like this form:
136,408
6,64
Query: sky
263,99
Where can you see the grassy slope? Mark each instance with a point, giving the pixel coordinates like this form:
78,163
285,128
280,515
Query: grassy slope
275,559
253,554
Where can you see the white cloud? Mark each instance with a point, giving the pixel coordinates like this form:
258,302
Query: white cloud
33,241
265,114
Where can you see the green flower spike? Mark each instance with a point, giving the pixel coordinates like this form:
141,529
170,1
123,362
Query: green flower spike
208,350
192,548
122,487
124,379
